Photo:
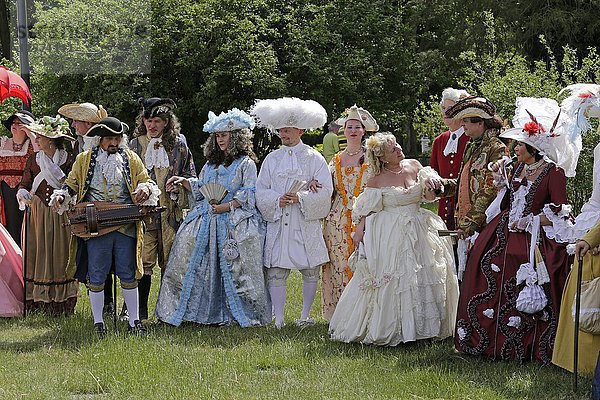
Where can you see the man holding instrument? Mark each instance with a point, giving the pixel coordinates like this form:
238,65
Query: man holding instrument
109,172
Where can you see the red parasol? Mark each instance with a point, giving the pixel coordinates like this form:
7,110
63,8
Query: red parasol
12,85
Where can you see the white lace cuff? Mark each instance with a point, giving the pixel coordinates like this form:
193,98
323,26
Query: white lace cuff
154,193
562,228
68,200
23,198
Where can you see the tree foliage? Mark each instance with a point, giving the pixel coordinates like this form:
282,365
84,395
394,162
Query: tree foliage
391,57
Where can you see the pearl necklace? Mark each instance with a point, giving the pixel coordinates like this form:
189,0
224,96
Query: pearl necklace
353,154
395,172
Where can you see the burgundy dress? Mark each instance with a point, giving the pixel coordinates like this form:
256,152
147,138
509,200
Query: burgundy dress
487,321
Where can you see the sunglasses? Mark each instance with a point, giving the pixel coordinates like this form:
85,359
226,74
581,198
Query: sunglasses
473,120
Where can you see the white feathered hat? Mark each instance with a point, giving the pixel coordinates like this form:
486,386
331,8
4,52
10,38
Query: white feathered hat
583,103
288,112
539,123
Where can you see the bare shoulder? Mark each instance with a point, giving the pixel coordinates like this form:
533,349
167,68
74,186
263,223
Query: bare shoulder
374,181
413,163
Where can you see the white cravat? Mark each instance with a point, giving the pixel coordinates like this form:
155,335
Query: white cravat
289,167
112,166
156,155
452,145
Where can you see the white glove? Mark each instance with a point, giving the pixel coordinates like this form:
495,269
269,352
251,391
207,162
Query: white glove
523,224
23,198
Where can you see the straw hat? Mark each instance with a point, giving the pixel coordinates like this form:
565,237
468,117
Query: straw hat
86,112
360,114
52,127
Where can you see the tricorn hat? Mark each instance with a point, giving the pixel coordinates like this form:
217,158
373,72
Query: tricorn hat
472,106
52,128
24,116
156,105
109,126
361,115
86,112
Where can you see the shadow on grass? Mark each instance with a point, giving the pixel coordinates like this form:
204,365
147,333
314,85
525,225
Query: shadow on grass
435,360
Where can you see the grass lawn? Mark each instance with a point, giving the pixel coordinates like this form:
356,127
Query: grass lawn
58,358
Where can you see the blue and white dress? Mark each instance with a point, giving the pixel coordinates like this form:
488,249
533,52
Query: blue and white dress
199,284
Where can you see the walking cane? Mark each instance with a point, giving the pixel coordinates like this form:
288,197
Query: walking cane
24,258
577,310
114,288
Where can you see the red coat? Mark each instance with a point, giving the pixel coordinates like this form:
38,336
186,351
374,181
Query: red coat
447,167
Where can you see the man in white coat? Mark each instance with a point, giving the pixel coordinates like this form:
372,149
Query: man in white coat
293,193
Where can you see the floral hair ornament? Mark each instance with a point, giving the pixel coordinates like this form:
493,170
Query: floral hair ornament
52,127
373,143
231,120
288,112
532,115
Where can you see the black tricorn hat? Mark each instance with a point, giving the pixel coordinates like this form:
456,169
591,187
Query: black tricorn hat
109,126
24,116
156,105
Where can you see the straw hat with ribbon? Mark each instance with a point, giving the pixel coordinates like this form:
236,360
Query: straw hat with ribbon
86,112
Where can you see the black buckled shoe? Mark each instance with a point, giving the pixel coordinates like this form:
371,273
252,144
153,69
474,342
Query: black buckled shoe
100,329
137,329
108,309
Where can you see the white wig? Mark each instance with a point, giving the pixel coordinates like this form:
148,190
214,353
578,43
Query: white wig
453,94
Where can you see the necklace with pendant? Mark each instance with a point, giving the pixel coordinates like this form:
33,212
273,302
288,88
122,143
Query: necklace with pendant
353,153
532,168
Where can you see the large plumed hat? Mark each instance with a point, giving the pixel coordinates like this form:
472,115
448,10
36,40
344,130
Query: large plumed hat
86,112
360,114
109,126
288,112
232,120
472,106
24,116
538,122
52,127
156,105
583,103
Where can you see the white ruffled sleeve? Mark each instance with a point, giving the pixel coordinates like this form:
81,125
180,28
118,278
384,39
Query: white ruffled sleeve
562,229
369,201
422,176
315,206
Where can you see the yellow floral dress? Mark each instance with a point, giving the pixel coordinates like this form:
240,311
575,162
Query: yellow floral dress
348,183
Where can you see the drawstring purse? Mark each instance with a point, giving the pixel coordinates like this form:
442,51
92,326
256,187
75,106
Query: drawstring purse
589,314
230,247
